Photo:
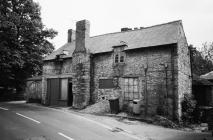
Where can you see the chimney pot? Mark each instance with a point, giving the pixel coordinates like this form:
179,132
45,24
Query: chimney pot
71,36
125,29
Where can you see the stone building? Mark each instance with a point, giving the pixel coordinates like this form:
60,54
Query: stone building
202,89
147,63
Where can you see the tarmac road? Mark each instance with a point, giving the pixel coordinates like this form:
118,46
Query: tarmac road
26,122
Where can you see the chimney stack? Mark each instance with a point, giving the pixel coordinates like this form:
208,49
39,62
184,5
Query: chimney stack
82,35
71,36
125,29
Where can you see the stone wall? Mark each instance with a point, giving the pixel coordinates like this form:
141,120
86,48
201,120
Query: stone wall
158,86
184,70
102,69
81,80
157,82
53,69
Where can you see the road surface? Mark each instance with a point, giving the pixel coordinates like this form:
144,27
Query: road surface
27,122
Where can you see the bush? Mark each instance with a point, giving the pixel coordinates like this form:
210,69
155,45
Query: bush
163,121
188,109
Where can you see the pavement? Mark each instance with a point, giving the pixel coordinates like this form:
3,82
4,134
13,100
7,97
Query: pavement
24,121
141,128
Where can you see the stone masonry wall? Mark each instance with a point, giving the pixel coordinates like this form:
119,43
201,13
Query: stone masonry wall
184,70
51,69
154,59
102,69
159,77
81,80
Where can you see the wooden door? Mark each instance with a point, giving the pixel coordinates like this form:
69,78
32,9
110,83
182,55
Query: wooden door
53,90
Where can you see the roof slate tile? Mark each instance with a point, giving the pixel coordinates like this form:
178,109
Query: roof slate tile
162,34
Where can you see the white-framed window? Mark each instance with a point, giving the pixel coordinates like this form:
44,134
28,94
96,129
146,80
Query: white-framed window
131,90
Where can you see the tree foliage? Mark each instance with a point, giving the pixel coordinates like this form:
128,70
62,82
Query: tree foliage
207,51
188,108
201,61
24,40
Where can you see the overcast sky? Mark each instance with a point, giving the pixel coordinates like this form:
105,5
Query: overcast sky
108,16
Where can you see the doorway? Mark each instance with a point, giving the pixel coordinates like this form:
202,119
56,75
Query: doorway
53,91
70,94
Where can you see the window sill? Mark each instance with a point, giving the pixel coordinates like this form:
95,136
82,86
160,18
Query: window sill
119,64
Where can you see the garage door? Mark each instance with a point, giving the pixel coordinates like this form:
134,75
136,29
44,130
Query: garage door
53,90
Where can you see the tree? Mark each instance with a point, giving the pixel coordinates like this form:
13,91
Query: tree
207,51
200,63
24,41
188,105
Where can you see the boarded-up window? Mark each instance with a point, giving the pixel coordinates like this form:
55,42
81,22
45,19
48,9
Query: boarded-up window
106,83
64,89
131,88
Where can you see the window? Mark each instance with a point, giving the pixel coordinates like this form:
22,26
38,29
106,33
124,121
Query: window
131,88
116,58
119,54
121,58
64,89
106,83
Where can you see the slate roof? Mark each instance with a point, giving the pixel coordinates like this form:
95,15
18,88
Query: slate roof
161,34
200,81
208,76
35,78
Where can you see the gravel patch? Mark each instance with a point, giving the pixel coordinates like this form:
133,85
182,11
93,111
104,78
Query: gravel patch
97,108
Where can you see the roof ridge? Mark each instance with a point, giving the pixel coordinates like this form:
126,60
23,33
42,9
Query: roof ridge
64,46
139,29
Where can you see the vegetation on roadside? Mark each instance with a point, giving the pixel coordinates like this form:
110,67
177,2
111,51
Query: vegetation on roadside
201,60
188,109
24,40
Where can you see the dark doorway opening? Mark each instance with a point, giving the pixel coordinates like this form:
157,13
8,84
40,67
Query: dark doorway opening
70,94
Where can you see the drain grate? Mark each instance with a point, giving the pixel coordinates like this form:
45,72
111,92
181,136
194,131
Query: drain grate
116,129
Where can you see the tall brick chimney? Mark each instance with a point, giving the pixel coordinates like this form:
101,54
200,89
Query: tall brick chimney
71,36
82,36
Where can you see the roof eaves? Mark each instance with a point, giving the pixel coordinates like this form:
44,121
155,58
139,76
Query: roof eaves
150,46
